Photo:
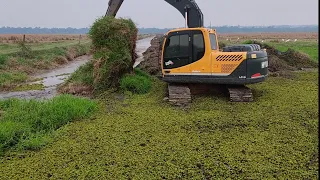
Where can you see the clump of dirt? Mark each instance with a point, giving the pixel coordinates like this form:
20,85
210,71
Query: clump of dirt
298,59
114,44
277,64
76,89
152,57
61,60
71,54
113,48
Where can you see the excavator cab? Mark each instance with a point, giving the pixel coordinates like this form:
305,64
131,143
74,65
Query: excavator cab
183,47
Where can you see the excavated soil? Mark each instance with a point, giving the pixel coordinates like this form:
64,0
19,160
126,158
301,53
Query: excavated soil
285,62
151,63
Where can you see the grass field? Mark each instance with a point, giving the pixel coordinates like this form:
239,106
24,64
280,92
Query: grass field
6,49
310,48
305,42
142,137
27,124
302,36
39,52
41,38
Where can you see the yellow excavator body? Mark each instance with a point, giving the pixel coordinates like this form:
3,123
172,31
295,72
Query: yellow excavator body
213,62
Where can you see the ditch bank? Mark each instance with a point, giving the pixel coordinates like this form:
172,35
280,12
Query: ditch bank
142,46
152,57
50,80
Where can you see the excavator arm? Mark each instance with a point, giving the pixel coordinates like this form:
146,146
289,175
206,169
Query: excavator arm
188,8
113,7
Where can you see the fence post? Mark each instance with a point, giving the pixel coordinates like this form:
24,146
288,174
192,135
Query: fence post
24,39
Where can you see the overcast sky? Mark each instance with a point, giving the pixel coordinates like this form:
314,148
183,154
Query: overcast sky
157,13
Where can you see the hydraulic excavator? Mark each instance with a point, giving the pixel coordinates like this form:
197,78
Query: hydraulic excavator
191,58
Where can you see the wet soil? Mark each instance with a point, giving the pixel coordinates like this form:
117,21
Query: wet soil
151,63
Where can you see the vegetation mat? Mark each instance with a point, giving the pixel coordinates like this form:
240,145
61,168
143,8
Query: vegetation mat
142,137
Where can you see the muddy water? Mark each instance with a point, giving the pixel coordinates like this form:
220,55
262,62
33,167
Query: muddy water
142,46
55,77
50,81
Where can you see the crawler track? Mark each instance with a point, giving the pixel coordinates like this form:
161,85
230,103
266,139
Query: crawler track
240,94
179,94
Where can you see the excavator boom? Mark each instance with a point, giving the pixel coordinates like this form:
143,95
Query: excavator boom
190,11
188,8
113,7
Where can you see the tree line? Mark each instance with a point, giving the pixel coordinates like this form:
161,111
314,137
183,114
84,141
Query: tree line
220,29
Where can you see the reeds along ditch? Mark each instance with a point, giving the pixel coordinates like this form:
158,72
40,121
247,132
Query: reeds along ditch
27,124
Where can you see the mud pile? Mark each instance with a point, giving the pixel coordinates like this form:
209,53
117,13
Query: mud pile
298,59
290,60
152,57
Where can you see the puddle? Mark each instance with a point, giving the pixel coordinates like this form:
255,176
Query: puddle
55,77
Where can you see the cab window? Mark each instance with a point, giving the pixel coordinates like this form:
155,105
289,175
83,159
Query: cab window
198,46
177,46
213,41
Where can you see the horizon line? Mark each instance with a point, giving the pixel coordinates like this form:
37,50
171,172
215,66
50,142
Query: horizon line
164,28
